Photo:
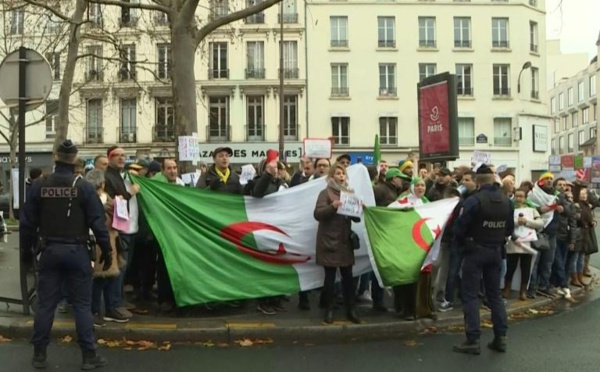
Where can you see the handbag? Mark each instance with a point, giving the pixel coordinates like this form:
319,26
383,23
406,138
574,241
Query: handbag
354,240
542,244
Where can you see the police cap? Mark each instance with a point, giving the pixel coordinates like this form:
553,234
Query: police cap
484,169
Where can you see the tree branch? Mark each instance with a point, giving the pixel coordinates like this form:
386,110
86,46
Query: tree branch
123,4
49,8
211,26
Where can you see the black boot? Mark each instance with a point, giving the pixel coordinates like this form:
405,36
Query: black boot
498,344
91,360
468,347
39,358
328,315
352,316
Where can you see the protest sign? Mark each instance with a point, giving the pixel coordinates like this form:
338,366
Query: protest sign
317,148
525,234
351,205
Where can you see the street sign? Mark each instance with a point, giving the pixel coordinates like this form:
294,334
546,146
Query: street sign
38,83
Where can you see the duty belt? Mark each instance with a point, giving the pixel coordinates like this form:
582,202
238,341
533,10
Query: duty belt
57,240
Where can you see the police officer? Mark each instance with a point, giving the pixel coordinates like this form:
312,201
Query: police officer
64,207
485,221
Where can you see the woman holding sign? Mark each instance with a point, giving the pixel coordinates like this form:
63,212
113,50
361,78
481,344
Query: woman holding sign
334,245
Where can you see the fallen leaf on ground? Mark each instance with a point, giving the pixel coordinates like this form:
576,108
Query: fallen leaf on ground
533,311
208,344
429,330
546,312
518,316
487,324
113,343
456,328
411,343
101,341
67,339
245,342
165,347
130,343
4,339
263,342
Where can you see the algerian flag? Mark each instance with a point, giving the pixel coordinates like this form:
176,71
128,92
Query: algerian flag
220,247
400,239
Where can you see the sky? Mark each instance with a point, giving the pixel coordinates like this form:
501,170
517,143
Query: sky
576,23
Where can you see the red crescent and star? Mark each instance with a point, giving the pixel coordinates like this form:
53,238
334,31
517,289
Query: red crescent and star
418,237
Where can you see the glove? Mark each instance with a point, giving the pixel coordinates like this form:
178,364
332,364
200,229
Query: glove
215,184
106,259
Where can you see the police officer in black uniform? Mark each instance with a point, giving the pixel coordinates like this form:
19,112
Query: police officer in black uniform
485,221
64,207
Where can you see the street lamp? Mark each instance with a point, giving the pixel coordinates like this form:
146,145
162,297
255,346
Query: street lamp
526,65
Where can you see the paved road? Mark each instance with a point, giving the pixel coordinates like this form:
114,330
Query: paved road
563,342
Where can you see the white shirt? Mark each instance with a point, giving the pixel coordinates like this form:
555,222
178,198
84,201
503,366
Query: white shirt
133,208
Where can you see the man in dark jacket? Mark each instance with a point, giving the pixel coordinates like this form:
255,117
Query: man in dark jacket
220,177
441,189
565,240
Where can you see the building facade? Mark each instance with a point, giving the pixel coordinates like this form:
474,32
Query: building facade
373,54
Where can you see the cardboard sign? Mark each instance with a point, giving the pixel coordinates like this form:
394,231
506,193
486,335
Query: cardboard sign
248,174
317,148
481,157
351,205
188,148
525,234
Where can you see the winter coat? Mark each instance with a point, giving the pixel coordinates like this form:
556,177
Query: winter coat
566,222
537,224
385,194
118,261
210,180
333,234
585,241
439,192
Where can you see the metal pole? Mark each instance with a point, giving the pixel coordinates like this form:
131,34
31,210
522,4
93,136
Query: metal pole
21,123
281,95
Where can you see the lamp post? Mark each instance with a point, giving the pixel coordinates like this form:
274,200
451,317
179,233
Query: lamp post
526,65
281,78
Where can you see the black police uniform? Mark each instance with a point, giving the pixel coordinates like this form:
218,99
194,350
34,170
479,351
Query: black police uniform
63,207
482,227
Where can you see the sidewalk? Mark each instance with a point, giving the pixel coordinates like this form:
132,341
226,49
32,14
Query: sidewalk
234,324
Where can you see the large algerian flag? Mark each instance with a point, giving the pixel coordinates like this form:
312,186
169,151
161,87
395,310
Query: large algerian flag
220,247
400,240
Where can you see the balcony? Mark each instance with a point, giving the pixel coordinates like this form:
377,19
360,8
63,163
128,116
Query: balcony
340,92
533,48
288,18
255,133
464,91
93,75
218,74
218,133
127,135
163,133
339,43
255,19
290,73
387,92
535,94
501,92
466,141
503,141
128,21
500,44
255,73
462,43
290,131
386,43
427,43
93,135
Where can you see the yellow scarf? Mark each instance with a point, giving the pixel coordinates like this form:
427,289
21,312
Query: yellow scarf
223,176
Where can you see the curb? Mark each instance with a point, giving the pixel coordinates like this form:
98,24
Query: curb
20,328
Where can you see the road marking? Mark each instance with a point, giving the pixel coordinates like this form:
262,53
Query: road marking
242,325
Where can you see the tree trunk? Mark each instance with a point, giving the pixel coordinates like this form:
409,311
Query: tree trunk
183,60
66,86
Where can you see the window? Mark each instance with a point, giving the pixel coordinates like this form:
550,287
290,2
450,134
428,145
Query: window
592,85
339,80
290,117
94,64
535,83
533,36
593,132
581,139
565,120
17,21
95,14
290,60
501,80
466,131
161,19
561,145
51,118
556,125
464,80
339,32
595,111
561,101
54,60
340,130
427,32
462,32
255,60
127,131
570,93
500,33
553,105
129,16
570,142
290,13
94,130
257,18
164,61
218,8
502,132
54,24
388,130
387,79
218,118
218,61
426,70
581,92
255,118
386,32
127,71
574,119
585,113
553,148
164,130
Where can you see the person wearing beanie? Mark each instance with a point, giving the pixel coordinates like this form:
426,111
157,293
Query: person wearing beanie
61,210
406,167
153,168
443,184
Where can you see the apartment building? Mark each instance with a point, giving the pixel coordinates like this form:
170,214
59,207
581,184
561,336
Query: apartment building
122,89
373,54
